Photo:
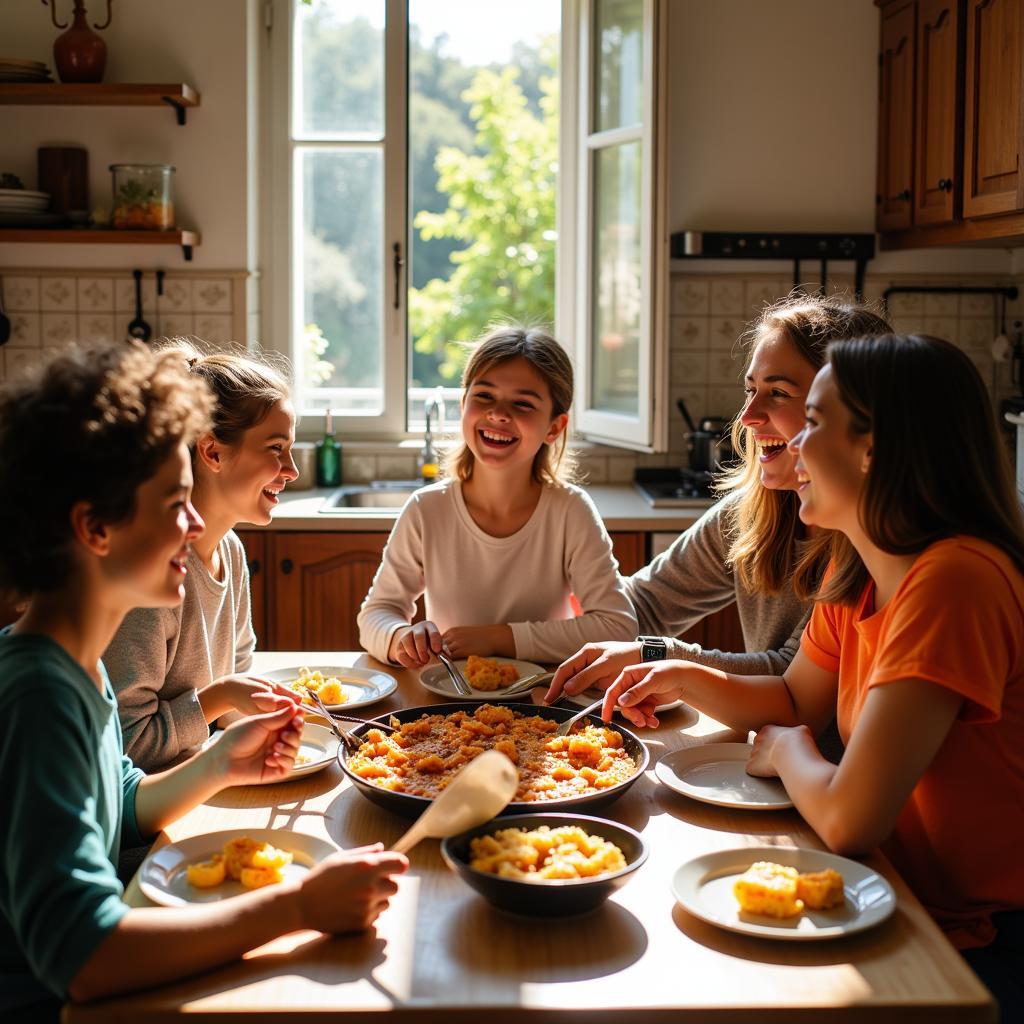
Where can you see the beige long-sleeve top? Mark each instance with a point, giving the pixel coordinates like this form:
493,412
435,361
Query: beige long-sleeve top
469,578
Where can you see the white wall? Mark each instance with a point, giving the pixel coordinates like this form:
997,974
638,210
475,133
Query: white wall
201,42
772,108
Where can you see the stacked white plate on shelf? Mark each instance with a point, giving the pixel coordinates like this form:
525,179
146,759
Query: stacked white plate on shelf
21,200
14,69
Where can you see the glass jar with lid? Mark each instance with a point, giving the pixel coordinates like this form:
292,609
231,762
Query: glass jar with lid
143,200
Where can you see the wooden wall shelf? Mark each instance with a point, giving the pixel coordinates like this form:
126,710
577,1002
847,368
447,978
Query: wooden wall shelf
86,236
54,94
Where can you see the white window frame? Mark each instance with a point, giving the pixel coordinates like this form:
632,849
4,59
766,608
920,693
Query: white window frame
280,203
648,431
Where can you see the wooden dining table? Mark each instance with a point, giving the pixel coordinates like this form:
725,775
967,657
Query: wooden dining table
440,953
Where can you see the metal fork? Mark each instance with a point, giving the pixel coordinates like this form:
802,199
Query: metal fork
458,680
566,726
521,685
352,743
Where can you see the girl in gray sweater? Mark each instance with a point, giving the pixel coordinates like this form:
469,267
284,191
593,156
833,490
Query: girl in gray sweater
746,548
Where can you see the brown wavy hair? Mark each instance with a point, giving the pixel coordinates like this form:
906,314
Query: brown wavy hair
553,463
914,493
93,424
766,527
246,385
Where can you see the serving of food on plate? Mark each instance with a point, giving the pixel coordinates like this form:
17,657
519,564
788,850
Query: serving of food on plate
339,687
487,677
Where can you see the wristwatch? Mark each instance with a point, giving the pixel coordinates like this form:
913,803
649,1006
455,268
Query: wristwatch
653,648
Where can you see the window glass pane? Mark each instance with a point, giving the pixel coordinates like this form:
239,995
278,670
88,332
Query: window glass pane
339,60
483,160
340,273
618,64
616,280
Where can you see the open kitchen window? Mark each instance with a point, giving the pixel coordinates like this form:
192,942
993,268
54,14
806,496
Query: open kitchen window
412,173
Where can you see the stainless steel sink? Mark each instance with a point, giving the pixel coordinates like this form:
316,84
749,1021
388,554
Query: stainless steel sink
380,496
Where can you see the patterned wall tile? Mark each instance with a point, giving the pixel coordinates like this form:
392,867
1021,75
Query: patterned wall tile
941,305
725,333
689,332
395,467
21,294
727,298
211,296
25,331
694,398
175,325
95,294
58,329
594,469
690,297
177,297
358,469
724,369
620,468
94,328
759,293
974,334
977,305
124,295
57,294
688,368
18,360
214,327
942,326
904,305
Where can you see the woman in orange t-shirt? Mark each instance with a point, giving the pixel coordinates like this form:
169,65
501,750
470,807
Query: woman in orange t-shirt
917,638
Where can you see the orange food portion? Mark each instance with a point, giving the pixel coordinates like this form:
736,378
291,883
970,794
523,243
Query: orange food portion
779,891
252,862
421,757
545,854
820,890
488,674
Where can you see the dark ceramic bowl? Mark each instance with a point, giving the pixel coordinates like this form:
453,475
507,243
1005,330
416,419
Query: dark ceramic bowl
560,898
411,806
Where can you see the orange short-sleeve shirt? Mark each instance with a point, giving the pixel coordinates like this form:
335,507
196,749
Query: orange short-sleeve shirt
957,620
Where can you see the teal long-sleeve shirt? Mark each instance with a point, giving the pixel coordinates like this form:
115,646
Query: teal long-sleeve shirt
67,801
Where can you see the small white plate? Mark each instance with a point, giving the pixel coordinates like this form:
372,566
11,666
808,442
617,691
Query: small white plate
716,773
362,686
703,886
436,679
318,743
588,697
163,877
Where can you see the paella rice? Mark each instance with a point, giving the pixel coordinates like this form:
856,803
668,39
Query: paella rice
544,854
421,757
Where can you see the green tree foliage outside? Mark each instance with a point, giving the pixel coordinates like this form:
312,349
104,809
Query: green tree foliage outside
482,163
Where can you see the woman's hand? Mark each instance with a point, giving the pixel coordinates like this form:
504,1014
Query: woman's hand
762,756
261,748
250,695
415,646
347,891
462,641
639,689
595,666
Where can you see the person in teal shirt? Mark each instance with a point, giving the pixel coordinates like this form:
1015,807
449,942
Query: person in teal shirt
107,530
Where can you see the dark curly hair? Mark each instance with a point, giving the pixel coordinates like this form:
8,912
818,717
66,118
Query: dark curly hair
92,425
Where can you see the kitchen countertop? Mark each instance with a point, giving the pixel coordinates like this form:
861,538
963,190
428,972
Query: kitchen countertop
619,505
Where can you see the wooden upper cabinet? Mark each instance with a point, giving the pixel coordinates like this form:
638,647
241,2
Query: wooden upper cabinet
937,172
993,124
896,118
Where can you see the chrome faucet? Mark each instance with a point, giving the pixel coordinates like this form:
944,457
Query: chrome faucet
427,460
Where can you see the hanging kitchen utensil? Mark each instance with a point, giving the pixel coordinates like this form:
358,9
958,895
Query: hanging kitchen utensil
138,328
681,406
5,325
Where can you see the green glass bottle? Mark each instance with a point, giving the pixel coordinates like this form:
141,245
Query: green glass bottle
328,456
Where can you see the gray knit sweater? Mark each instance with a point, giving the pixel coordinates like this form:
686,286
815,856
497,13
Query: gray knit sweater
693,579
160,657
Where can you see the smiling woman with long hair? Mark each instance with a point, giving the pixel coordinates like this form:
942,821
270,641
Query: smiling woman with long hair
917,639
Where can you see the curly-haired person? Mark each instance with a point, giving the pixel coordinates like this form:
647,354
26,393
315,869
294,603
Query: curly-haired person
106,532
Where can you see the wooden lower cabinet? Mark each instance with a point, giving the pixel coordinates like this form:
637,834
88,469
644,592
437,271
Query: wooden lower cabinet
307,588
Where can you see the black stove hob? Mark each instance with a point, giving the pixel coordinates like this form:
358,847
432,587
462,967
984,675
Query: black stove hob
660,484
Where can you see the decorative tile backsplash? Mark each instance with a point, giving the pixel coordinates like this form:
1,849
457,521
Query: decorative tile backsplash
708,316
50,309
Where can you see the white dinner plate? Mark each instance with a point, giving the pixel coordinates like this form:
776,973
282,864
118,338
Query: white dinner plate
436,679
703,886
362,686
317,743
716,773
589,696
163,877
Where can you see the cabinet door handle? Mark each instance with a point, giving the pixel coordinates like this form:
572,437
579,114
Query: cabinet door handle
254,566
946,184
904,196
287,565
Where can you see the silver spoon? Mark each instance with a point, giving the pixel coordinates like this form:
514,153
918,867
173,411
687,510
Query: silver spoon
477,793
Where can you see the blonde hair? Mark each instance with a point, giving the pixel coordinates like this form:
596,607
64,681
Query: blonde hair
246,385
766,525
553,463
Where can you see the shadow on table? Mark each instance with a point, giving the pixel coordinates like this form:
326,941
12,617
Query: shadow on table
275,793
760,824
879,942
476,935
